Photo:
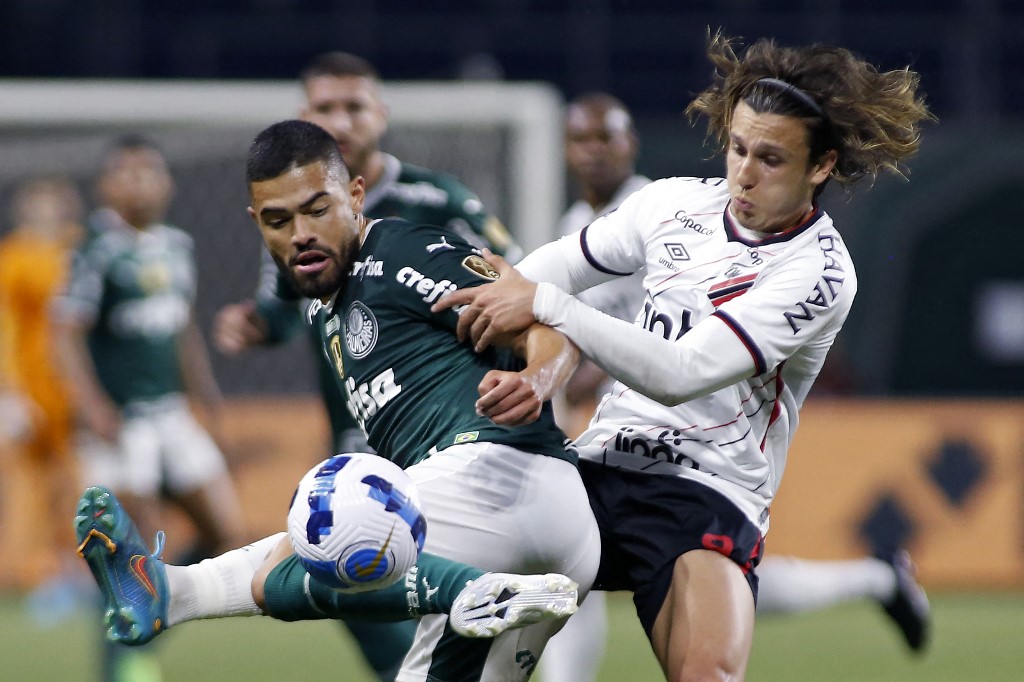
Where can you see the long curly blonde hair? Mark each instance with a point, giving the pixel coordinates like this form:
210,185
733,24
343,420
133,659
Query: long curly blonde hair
871,118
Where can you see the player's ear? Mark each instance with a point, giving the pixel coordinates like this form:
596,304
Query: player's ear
823,168
252,214
357,192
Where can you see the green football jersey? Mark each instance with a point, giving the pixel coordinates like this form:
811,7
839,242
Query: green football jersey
409,382
417,195
136,289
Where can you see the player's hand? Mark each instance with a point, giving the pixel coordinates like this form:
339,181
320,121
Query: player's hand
237,327
492,311
508,398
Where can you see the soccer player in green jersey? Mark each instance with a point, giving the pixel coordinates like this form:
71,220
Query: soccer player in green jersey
343,96
134,358
500,493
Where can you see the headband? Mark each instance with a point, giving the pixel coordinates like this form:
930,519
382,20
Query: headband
795,92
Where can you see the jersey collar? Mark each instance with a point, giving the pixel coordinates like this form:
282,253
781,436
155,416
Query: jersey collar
737,233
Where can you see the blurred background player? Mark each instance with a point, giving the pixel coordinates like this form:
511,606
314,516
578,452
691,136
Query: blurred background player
134,357
601,149
35,413
601,146
343,96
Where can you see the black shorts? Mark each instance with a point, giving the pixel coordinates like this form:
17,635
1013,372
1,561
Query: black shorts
647,521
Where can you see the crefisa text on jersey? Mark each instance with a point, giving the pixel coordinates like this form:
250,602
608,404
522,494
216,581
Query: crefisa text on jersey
423,285
368,268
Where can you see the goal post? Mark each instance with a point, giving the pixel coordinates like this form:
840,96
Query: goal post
502,140
523,182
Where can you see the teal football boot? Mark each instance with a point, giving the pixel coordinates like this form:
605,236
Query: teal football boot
133,581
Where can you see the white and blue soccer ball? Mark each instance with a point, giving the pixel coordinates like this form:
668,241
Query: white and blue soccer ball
355,522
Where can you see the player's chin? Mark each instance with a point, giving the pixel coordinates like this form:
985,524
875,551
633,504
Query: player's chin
317,285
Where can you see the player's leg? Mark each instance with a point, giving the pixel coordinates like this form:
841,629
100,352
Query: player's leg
130,466
790,584
503,510
576,652
705,627
688,554
197,477
383,645
143,596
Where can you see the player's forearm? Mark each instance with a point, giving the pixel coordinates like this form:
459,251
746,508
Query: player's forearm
196,371
281,317
551,359
709,357
76,365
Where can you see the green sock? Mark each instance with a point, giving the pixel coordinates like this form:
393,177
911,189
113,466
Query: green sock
430,586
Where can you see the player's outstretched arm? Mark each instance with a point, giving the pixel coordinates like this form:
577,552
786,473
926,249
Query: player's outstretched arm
239,326
514,398
500,308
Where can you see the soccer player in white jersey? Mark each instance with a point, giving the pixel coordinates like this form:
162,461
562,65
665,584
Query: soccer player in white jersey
601,145
748,283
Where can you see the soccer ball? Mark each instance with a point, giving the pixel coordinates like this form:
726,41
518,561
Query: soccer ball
355,522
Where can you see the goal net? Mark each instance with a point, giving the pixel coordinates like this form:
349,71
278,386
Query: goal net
503,140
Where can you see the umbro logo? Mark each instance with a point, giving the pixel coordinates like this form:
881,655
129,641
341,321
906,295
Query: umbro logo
676,251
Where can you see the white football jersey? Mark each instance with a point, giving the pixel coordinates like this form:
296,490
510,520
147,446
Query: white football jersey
768,310
621,296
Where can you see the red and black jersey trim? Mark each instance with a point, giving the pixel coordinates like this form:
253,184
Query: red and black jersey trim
730,289
593,261
760,364
733,233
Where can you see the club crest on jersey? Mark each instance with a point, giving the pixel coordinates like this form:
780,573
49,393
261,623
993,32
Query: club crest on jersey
360,330
479,267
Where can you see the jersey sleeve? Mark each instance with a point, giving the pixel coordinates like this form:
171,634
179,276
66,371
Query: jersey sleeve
615,243
608,248
792,314
703,360
83,293
798,304
429,262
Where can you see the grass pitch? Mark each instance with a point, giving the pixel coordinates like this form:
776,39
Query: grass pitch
976,637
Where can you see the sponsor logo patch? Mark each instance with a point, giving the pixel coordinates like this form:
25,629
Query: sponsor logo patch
479,267
368,268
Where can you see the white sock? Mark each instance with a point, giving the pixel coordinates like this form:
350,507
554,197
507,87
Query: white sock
217,587
788,584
